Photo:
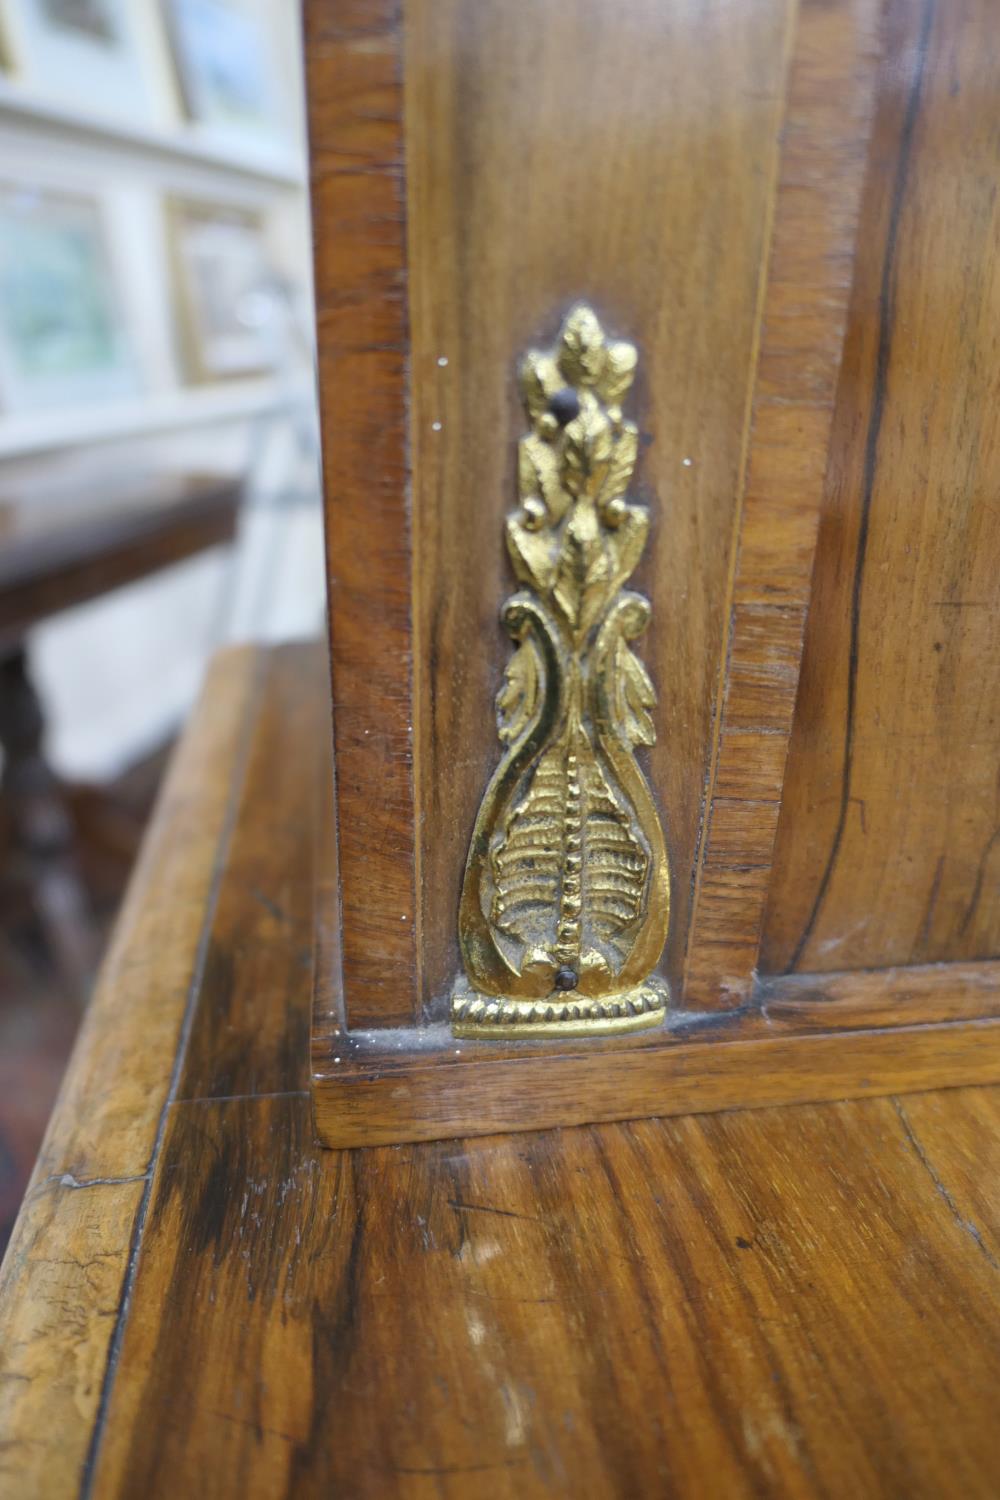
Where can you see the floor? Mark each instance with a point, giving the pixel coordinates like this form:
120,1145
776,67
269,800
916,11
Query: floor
39,1013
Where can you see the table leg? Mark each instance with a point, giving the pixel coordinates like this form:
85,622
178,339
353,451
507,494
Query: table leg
42,852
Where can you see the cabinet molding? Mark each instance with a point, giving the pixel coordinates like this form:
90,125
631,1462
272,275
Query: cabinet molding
798,1040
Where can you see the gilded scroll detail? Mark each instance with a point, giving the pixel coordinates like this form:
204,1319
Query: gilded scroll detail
565,902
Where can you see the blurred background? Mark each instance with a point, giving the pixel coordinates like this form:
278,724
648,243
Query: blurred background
159,472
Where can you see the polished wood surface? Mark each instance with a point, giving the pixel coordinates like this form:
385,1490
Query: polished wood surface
354,68
450,237
736,188
792,1302
377,1086
542,168
824,139
683,1307
888,851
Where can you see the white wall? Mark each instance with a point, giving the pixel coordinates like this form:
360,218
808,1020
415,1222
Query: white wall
119,673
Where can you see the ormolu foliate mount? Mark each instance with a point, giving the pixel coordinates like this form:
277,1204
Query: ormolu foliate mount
566,898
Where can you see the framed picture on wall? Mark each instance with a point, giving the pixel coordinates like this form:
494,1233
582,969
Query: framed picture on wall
224,279
95,19
222,56
62,333
90,53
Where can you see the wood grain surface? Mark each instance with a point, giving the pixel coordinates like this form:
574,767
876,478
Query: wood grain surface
783,1303
384,1092
888,850
353,56
624,152
800,1038
792,1302
824,148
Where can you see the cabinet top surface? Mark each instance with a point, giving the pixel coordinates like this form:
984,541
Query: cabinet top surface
793,1301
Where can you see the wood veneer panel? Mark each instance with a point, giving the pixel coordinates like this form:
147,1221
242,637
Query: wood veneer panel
917,995
887,848
791,1302
356,148
824,148
621,151
950,1142
62,1277
254,1036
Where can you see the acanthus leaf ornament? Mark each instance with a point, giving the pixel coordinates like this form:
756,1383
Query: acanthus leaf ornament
566,898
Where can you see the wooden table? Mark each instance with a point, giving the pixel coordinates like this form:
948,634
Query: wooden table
197,1300
56,553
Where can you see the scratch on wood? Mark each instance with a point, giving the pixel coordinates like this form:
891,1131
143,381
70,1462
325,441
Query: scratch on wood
966,1225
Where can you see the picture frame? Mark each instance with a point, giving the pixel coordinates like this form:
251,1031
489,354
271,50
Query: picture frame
223,64
63,334
222,274
93,54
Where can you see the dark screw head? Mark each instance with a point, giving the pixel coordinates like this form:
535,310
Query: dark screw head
565,978
564,405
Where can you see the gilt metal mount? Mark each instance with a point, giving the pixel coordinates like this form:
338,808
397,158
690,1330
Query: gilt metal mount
566,898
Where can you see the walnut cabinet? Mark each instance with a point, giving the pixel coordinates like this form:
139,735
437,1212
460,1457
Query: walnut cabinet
788,211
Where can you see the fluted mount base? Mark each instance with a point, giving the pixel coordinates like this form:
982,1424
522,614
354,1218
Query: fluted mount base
558,1015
